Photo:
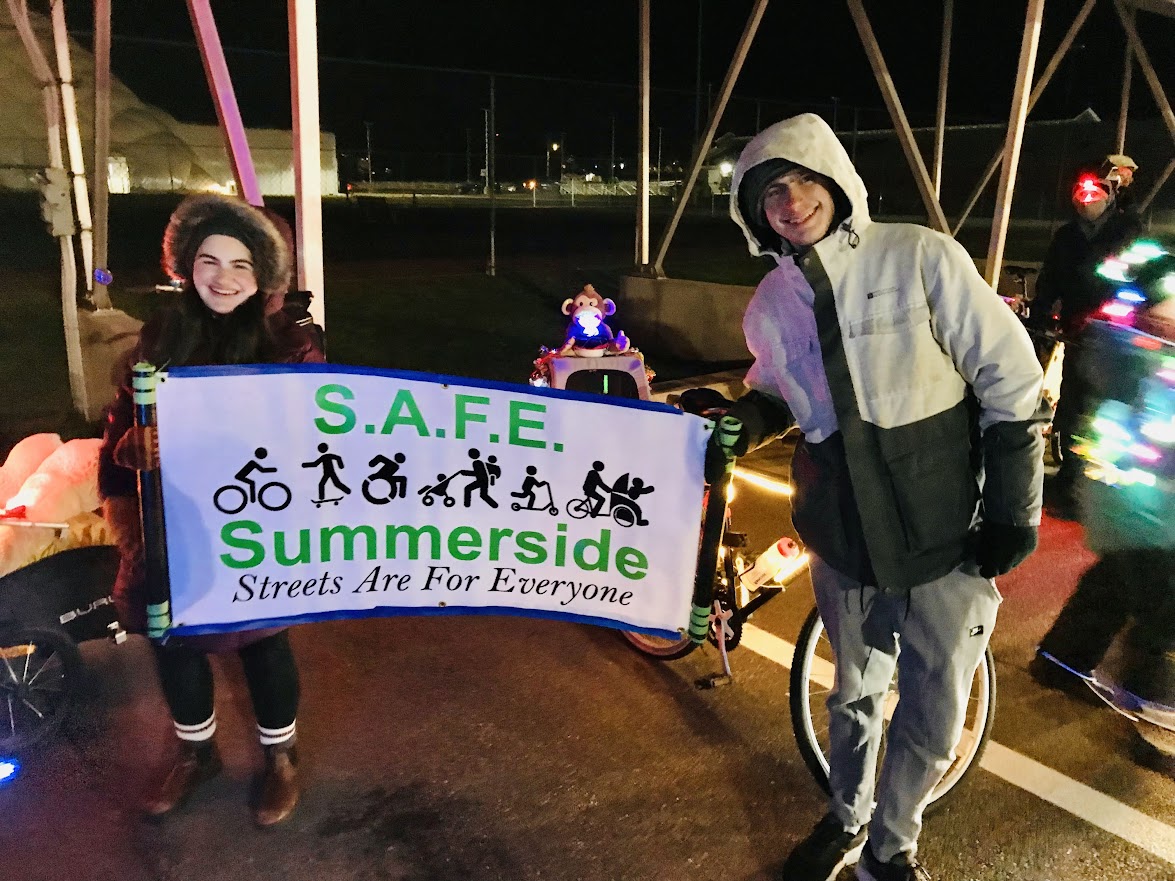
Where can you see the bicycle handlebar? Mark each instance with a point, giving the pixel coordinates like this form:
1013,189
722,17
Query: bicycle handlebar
711,542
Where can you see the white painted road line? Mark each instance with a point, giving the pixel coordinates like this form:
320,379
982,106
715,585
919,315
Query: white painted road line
1084,802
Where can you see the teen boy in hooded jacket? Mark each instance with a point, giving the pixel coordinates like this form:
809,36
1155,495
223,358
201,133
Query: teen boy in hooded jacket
917,481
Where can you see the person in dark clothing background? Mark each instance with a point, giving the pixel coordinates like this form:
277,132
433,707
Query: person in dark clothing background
1070,289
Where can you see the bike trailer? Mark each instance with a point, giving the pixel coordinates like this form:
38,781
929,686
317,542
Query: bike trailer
70,589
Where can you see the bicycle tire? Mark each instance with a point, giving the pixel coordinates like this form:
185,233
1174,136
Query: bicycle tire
230,488
671,649
810,717
275,485
577,509
39,669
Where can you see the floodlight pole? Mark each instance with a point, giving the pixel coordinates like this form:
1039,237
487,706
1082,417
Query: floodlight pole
1124,107
1162,179
303,30
102,13
1007,185
703,145
73,138
642,164
905,134
1148,70
944,67
1038,89
51,96
491,175
228,114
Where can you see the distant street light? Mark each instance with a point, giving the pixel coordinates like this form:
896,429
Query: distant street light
552,148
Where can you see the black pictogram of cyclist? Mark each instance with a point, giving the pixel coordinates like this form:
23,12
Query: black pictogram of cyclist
328,462
232,498
385,472
536,492
622,498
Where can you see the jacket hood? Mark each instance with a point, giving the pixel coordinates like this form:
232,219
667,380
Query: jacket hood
207,214
806,140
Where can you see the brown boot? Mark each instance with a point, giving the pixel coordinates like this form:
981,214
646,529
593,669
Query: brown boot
195,763
279,785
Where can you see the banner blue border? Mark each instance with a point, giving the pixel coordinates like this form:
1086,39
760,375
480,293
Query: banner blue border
435,378
414,611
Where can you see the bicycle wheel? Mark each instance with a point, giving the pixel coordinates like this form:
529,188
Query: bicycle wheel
811,680
38,669
672,649
234,492
278,503
577,509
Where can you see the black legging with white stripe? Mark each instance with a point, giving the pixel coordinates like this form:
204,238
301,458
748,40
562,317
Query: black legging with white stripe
273,686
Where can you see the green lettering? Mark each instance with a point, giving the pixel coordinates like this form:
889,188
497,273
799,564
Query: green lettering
518,423
530,547
463,414
347,533
412,416
280,553
601,549
412,534
338,409
256,548
631,563
464,543
497,533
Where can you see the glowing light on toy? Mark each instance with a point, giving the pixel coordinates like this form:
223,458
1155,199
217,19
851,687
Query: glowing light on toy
1087,190
9,768
1130,295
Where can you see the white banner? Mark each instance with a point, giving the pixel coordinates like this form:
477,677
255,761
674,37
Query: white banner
308,492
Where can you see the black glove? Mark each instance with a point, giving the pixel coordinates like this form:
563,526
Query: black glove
1001,548
720,451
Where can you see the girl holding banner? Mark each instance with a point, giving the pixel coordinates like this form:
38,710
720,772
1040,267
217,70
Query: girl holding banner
231,260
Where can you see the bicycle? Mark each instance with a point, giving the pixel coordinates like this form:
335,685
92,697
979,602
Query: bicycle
1050,348
721,568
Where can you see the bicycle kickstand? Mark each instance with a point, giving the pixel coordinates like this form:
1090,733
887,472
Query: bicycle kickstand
719,623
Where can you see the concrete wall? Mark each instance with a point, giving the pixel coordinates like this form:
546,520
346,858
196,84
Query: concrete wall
693,320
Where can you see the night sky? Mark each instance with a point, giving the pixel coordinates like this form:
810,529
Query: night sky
805,55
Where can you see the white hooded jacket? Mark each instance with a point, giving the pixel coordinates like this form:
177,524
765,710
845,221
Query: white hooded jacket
918,327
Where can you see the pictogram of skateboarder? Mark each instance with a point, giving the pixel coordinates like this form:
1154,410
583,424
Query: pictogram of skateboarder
328,462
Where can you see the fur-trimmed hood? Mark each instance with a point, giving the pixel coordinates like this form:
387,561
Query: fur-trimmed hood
197,217
806,140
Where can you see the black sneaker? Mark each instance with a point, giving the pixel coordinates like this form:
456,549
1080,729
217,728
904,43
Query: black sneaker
901,868
826,850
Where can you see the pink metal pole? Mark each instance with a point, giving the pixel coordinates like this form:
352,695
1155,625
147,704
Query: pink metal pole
227,111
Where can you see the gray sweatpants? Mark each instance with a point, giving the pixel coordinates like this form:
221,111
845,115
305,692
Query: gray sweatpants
942,629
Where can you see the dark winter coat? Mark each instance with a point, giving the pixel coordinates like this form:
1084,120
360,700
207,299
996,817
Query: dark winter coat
1069,272
118,486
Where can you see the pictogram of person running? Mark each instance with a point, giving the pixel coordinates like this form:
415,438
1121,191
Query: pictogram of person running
536,492
328,462
385,471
